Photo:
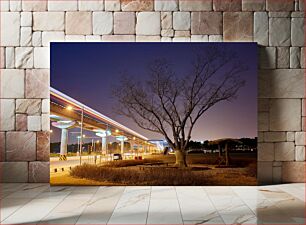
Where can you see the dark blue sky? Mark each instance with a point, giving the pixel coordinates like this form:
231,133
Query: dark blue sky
87,71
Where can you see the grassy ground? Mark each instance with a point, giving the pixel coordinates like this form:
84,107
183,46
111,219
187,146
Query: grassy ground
201,171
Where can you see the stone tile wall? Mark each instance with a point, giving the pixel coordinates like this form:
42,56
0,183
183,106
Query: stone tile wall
28,27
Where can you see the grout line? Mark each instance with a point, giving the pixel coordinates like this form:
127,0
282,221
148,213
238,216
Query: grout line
87,201
178,201
217,211
116,204
149,205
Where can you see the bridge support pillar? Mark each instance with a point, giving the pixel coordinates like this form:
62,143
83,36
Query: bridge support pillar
122,147
64,143
104,143
63,125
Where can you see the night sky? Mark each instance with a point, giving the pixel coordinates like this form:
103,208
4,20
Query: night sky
88,71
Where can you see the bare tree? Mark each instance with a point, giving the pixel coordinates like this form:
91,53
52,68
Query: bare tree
171,105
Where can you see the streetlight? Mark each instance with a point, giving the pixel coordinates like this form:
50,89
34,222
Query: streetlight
70,108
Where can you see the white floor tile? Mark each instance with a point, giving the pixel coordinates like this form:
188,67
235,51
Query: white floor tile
132,207
32,212
100,208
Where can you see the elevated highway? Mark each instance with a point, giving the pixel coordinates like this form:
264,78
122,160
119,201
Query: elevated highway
67,113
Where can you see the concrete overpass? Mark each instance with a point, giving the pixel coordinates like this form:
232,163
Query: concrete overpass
67,113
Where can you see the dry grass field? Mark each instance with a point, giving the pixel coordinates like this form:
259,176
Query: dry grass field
158,170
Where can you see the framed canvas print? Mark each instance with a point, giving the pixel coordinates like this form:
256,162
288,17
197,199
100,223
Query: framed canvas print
153,114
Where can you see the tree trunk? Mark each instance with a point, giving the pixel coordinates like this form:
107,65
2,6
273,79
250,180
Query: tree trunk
226,155
180,159
220,151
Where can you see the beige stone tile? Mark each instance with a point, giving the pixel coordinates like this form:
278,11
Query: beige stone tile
21,122
279,32
10,28
300,138
39,172
274,83
15,6
93,38
37,83
9,57
2,146
58,5
45,108
169,5
182,33
166,39
137,5
263,121
238,26
12,83
263,105
275,136
102,23
181,39
253,5
34,5
167,33
119,38
7,114
124,22
26,36
300,153
294,172
28,106
181,21
148,23
14,172
265,152
20,146
41,57
261,28
264,173
4,5
34,123
166,20
49,21
206,23
26,19
280,5
37,39
45,122
91,5
79,23
301,5
267,57
199,38
112,5
147,38
283,57
203,5
297,32
215,38
52,36
43,145
284,151
295,57
229,5
285,115
24,57
290,136
75,38
2,57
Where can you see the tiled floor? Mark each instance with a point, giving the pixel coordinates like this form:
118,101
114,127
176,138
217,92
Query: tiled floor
42,204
